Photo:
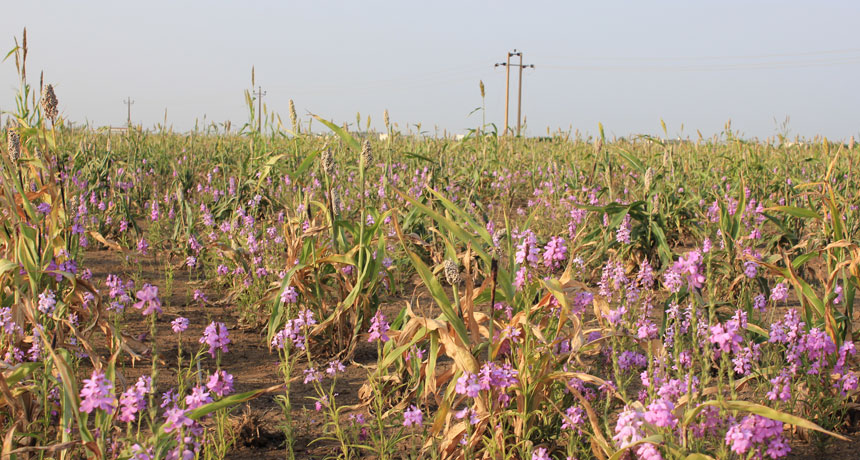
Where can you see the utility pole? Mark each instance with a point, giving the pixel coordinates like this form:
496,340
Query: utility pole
259,93
508,65
129,102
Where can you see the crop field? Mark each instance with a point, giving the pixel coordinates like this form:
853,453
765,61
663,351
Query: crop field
315,290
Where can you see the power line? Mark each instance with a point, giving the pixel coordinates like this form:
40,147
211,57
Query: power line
702,58
402,81
708,67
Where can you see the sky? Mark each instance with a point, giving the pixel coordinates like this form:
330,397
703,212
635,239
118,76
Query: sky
627,65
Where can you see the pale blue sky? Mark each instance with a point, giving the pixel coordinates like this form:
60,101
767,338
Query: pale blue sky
625,64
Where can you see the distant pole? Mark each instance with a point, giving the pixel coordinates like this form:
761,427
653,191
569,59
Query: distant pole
508,65
129,102
260,93
520,98
507,91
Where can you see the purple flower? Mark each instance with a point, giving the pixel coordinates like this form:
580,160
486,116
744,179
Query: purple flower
295,330
47,302
759,434
779,292
289,295
540,454
154,211
468,385
759,302
817,345
623,233
168,397
413,416
198,397
839,296
132,400
175,419
780,387
848,383
97,394
312,375
220,383
139,453
321,403
470,413
689,267
660,413
378,328
179,325
142,246
627,429
334,368
631,360
555,252
573,417
43,208
215,335
726,336
527,251
148,297
750,269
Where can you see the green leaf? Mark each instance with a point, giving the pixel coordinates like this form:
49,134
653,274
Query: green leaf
796,212
350,141
419,157
7,265
773,414
394,354
435,289
305,164
267,168
229,401
22,371
698,456
654,439
447,223
634,162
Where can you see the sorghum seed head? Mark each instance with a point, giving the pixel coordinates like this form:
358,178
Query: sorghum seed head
294,119
335,201
13,143
452,272
649,178
49,102
366,153
327,161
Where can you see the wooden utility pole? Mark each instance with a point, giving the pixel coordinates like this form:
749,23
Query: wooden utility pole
508,85
259,93
129,102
